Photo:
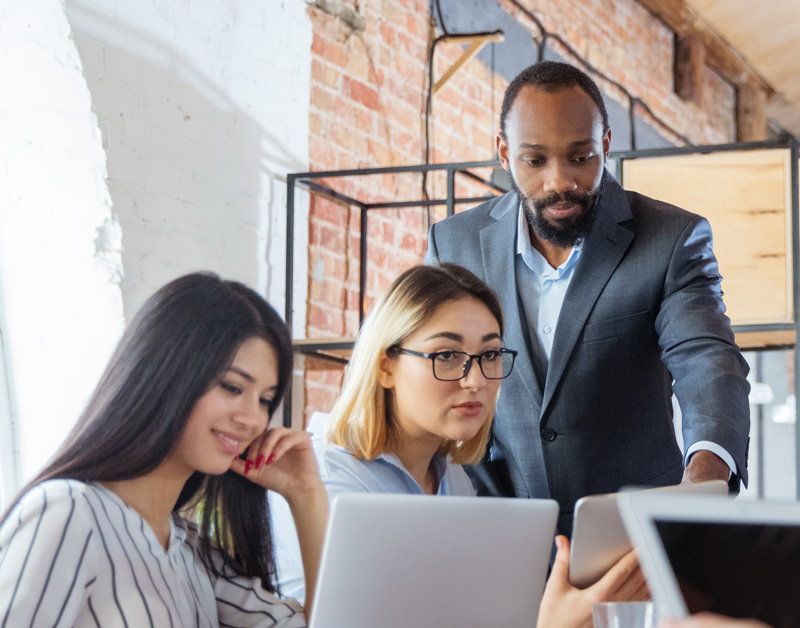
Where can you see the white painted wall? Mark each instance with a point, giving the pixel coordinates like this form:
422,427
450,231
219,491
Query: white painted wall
60,302
203,108
173,160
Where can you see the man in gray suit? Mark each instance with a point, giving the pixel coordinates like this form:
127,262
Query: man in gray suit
613,301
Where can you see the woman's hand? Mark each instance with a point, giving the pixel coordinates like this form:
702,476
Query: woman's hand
282,460
565,606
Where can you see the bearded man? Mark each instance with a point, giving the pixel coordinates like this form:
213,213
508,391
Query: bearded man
613,301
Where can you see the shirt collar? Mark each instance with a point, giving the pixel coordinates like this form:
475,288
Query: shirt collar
439,463
535,260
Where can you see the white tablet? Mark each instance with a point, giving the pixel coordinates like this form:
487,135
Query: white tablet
733,557
599,538
396,561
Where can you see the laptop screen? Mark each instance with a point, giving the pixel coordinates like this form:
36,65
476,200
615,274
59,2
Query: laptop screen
735,569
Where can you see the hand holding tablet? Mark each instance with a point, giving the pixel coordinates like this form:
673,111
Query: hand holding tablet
599,538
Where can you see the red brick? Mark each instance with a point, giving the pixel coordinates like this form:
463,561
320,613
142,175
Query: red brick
361,93
410,243
325,210
376,254
333,293
318,45
388,232
358,64
318,317
315,124
388,33
319,398
354,247
326,236
365,121
334,53
380,153
321,99
320,153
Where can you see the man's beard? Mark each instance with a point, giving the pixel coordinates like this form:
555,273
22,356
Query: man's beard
563,232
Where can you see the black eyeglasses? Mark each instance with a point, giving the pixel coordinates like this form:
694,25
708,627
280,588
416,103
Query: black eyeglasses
449,366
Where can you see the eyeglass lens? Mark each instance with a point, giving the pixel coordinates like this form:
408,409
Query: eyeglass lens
450,365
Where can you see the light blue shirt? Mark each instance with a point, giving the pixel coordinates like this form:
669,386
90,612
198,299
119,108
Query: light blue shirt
344,473
542,289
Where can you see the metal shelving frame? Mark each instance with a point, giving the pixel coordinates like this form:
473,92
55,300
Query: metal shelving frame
309,180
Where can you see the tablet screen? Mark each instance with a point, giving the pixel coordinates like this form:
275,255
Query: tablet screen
739,570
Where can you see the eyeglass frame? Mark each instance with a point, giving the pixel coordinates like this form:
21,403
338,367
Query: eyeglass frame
393,351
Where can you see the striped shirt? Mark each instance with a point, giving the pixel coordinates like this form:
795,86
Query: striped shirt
73,554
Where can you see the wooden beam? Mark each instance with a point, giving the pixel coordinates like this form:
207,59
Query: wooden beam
720,55
751,117
477,43
690,61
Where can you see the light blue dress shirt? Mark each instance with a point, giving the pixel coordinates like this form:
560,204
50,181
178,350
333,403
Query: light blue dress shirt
542,289
344,473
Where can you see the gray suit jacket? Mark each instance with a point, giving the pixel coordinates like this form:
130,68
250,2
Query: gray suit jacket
643,308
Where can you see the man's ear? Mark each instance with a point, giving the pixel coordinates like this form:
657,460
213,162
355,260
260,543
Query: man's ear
386,371
502,152
607,143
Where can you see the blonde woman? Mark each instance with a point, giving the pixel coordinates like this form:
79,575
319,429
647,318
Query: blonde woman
418,397
417,403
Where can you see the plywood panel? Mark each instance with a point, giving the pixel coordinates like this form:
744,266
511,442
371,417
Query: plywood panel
746,197
764,339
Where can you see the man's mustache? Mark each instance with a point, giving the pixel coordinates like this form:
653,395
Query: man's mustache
575,198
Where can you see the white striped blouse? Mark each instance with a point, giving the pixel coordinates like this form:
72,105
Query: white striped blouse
73,554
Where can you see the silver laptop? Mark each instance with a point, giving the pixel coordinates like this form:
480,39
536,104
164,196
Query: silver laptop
734,557
394,561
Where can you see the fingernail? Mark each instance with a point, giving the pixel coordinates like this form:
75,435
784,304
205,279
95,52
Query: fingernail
248,466
559,543
259,462
271,459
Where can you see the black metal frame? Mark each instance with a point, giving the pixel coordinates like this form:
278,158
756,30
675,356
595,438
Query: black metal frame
308,180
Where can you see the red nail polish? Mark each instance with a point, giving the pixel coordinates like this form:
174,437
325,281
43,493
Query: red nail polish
259,462
248,466
271,459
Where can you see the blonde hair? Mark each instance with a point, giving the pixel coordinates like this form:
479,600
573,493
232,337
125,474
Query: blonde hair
360,420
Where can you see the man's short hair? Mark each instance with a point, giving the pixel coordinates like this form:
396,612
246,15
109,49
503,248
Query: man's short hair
551,76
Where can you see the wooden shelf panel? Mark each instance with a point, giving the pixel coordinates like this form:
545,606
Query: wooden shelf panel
333,349
746,196
766,339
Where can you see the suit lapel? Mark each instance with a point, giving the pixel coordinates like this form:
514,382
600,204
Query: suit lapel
501,276
602,251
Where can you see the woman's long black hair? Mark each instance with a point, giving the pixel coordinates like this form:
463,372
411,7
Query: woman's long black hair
177,346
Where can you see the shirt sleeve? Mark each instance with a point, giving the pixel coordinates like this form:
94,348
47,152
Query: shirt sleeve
46,557
698,348
242,601
287,548
338,479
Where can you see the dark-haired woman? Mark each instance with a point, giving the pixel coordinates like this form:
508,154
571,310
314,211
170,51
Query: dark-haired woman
96,539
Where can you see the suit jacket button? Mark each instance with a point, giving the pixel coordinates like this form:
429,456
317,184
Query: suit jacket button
548,434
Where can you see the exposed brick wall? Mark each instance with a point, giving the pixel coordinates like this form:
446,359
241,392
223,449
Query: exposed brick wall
367,97
624,41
